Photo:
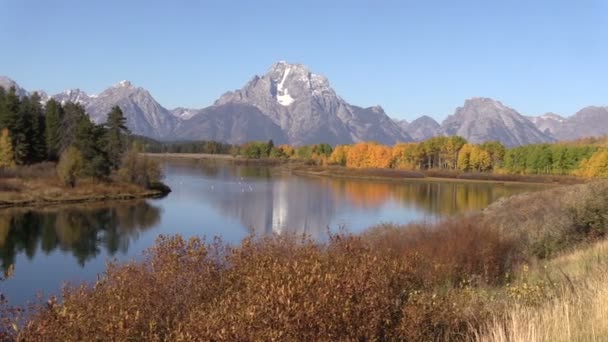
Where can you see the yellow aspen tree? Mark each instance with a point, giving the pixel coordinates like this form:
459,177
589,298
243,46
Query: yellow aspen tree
7,157
464,158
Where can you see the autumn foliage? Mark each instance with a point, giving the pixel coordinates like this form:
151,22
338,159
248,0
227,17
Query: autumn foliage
389,285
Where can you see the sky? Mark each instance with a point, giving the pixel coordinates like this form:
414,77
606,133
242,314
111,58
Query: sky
410,57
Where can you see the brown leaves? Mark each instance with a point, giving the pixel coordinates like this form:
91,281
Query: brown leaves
387,285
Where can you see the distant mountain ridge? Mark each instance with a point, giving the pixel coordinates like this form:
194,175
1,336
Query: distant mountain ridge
483,119
423,128
291,104
587,122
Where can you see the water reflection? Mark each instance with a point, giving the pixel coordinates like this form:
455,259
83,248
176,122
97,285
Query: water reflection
72,243
82,230
269,200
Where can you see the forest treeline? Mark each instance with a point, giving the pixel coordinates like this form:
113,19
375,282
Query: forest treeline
585,157
33,132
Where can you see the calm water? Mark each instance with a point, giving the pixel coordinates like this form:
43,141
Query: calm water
51,246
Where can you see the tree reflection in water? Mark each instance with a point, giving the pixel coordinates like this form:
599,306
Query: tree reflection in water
83,230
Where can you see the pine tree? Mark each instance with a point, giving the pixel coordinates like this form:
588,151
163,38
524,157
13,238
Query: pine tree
54,115
116,136
88,139
7,158
3,108
71,117
37,137
21,131
11,109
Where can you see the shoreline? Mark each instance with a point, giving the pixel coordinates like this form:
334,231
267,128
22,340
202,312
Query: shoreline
36,193
300,168
54,205
45,202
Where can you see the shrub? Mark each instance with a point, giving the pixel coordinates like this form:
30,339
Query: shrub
70,167
273,288
454,251
140,170
547,222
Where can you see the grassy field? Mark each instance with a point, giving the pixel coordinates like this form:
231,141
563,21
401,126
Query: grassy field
574,288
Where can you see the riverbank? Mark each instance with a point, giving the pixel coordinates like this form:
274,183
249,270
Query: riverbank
18,192
302,168
38,185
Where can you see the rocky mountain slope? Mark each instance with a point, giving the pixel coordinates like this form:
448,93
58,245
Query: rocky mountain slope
587,122
423,128
547,123
483,119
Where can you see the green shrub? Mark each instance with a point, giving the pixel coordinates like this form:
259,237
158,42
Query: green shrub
70,166
140,170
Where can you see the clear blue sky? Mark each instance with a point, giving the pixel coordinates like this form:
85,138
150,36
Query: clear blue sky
410,57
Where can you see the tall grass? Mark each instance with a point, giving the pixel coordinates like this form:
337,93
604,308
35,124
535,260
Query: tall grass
577,310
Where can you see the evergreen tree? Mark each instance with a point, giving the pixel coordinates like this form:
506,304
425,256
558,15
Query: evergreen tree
11,109
38,139
73,114
22,132
116,130
54,116
88,139
3,108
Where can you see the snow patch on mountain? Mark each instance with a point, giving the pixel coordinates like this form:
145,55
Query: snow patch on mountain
283,96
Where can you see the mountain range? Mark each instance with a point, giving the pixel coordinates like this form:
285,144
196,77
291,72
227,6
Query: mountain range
291,104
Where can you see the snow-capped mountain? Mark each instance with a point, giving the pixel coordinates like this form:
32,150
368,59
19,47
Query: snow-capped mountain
291,104
309,111
547,123
75,96
144,115
184,113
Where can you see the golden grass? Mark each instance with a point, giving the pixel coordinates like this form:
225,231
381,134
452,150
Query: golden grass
577,311
43,191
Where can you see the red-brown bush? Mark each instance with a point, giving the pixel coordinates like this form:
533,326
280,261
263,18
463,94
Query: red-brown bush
387,285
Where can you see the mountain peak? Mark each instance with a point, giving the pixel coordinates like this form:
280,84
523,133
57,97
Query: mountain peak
483,101
123,84
483,119
7,83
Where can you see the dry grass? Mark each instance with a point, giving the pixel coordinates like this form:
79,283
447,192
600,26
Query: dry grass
545,223
38,184
576,311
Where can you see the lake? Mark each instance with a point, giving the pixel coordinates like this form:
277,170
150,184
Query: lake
50,246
